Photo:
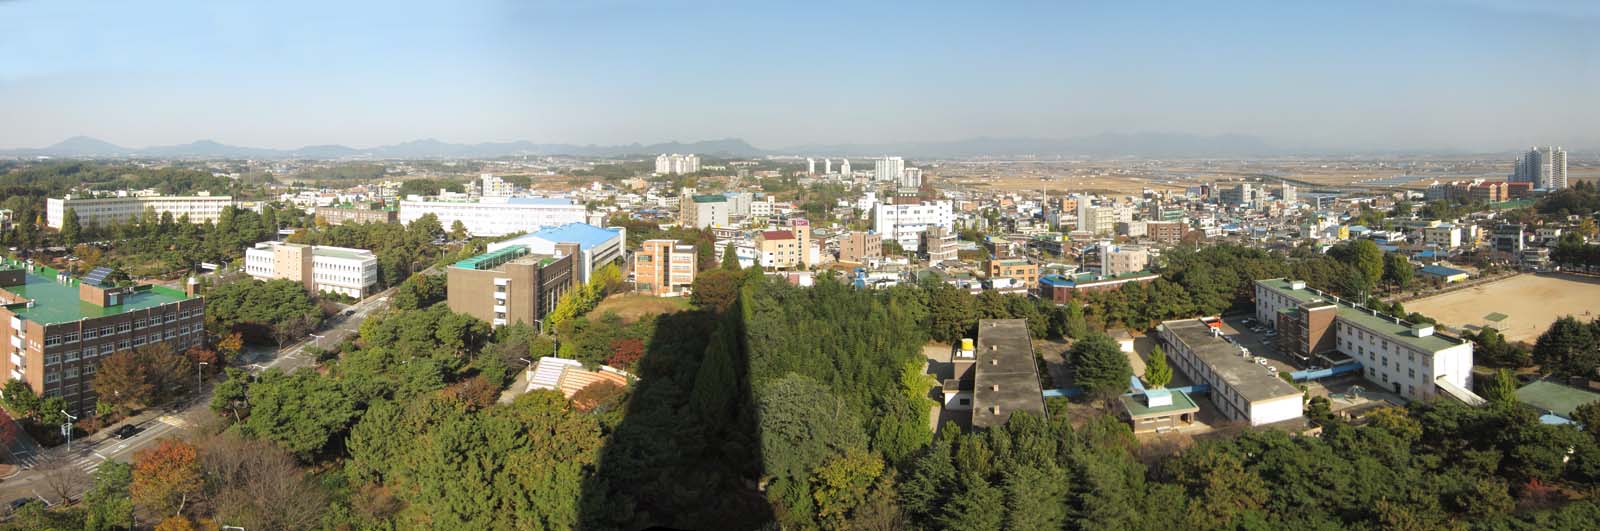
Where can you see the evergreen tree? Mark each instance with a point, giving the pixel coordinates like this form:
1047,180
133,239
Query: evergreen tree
1157,373
730,258
1100,366
71,231
1502,389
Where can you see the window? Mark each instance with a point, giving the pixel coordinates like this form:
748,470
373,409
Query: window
124,345
51,341
171,333
72,355
52,378
88,369
70,338
1412,373
1372,372
138,341
124,327
89,352
155,337
138,323
71,372
52,359
106,330
91,333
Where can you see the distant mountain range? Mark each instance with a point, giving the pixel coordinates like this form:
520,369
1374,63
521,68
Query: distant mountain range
1107,145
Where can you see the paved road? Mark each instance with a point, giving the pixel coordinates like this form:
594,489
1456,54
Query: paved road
89,454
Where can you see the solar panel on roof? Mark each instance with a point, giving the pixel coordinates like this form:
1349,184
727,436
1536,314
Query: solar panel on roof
97,276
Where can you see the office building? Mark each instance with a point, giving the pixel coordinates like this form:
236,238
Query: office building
938,244
811,166
1123,259
905,223
844,168
1443,236
1061,289
1166,231
1545,167
597,247
1242,194
859,245
1288,195
1024,272
827,166
492,186
512,284
664,267
498,216
802,235
60,327
675,164
349,272
126,207
779,249
1410,360
1242,388
700,211
340,215
1509,237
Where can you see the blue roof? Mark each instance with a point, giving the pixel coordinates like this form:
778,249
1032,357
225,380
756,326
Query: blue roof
585,235
1442,271
557,201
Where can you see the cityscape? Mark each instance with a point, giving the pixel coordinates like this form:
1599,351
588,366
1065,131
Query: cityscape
728,296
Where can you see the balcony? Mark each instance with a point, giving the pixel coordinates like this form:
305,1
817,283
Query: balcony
500,308
16,342
18,361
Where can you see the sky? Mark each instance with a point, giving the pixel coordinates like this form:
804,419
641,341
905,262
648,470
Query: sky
1476,75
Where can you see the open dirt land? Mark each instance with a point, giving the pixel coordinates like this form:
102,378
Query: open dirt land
1529,302
632,306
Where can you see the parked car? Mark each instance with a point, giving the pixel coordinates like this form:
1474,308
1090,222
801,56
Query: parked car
19,502
126,431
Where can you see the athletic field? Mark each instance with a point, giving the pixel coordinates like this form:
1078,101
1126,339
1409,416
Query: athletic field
1520,307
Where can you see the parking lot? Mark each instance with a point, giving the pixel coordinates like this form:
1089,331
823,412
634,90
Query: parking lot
1243,330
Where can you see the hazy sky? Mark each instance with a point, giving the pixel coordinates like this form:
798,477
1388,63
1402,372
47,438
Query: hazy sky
1469,74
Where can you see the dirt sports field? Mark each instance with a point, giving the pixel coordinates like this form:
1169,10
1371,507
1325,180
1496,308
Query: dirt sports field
1529,303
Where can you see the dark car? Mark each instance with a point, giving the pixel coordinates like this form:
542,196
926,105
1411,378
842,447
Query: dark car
19,502
126,431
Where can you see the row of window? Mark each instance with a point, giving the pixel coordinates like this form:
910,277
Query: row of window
137,341
120,328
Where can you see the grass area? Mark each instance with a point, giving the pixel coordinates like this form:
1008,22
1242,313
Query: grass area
632,306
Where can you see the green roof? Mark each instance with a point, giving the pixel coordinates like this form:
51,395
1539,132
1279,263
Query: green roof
56,303
1399,332
493,259
1554,397
1137,408
711,198
341,253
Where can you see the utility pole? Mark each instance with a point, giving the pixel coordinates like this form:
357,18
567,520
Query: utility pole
197,378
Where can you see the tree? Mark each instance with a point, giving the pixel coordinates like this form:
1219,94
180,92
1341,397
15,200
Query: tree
1502,389
166,478
1099,365
71,231
1397,270
1589,416
715,290
1157,374
1568,348
730,257
19,400
1367,258
300,411
107,505
231,395
61,476
458,231
256,485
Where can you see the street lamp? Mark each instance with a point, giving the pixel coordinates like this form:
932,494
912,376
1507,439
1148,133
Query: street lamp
66,428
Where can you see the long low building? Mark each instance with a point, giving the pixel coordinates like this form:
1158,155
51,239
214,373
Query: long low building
1242,388
349,272
498,216
108,211
1413,361
1005,373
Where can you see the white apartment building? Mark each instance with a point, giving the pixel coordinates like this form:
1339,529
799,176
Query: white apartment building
1119,259
1409,360
674,163
108,211
493,186
905,223
1098,220
1545,167
1446,236
351,272
911,178
498,216
1242,388
703,211
889,169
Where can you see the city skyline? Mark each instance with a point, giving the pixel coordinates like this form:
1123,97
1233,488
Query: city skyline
1422,75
